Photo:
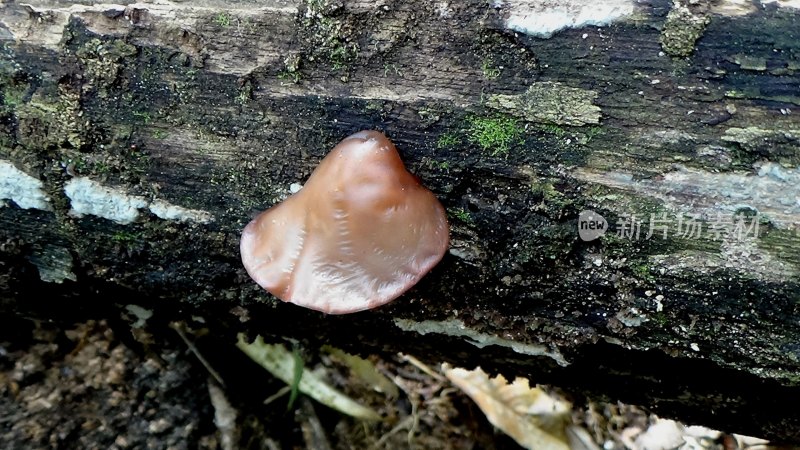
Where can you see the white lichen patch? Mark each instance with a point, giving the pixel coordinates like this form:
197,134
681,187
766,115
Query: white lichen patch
743,7
456,328
715,201
543,18
89,197
773,191
22,189
168,211
550,102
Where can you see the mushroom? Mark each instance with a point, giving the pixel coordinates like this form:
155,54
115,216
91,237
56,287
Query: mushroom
360,233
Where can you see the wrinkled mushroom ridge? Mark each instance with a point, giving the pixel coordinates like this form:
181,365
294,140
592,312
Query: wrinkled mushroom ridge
362,231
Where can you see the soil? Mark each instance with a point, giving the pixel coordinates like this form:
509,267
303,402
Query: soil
82,387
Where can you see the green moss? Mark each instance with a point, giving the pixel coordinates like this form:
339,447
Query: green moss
143,116
245,93
753,143
490,71
429,116
101,167
462,215
49,122
13,94
554,129
538,242
545,190
285,75
590,134
553,201
783,244
124,237
102,60
494,134
660,319
223,20
327,36
340,55
791,377
616,246
393,69
373,106
642,271
447,140
438,165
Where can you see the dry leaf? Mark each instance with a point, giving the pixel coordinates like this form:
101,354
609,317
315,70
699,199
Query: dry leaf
364,370
530,416
580,439
280,363
662,435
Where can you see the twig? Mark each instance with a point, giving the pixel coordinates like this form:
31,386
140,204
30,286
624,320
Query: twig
281,392
178,327
421,366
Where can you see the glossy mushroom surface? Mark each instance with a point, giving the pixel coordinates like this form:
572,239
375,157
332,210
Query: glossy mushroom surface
362,231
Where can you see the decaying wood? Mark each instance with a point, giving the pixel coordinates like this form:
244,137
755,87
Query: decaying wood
138,139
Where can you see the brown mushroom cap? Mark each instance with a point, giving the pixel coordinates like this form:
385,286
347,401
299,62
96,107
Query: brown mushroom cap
362,231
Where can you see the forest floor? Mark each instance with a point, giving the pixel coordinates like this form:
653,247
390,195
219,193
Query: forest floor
85,386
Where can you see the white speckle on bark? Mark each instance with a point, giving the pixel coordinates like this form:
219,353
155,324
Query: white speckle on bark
21,188
443,10
543,18
168,211
631,317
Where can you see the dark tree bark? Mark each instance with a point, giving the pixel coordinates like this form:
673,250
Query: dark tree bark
137,142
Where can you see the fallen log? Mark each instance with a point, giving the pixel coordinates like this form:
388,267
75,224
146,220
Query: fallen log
621,182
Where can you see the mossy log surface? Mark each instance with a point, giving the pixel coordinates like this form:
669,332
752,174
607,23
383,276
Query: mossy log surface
137,140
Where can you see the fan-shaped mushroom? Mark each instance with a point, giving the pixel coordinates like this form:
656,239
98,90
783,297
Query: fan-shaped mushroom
362,231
